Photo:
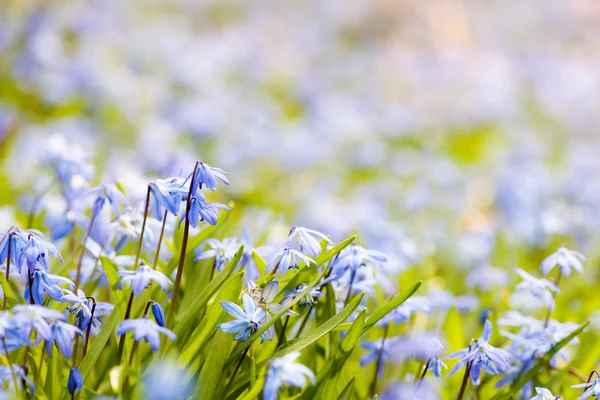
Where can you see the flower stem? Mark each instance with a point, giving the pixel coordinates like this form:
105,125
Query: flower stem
160,239
89,327
304,321
350,288
463,386
186,232
424,372
139,249
379,360
30,278
9,238
12,368
87,235
122,340
237,367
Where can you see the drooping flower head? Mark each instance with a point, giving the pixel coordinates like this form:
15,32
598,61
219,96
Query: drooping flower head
146,329
353,257
36,251
305,241
201,210
565,259
141,278
287,259
208,176
165,194
222,251
110,193
593,389
285,371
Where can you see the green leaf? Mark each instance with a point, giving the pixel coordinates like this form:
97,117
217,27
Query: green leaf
453,330
230,291
187,317
393,304
348,390
213,366
261,264
322,330
10,296
92,355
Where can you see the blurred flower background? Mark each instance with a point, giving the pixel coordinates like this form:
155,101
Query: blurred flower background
460,138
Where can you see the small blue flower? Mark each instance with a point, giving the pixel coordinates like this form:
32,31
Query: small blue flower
36,251
287,259
565,259
303,240
22,378
264,298
207,176
384,346
75,380
594,389
544,394
63,335
34,317
286,371
314,293
221,251
165,194
353,257
140,279
17,242
247,320
144,328
44,282
80,308
542,289
200,210
159,314
437,365
482,355
110,193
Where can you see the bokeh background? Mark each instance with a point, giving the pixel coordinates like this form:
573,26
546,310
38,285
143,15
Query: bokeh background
451,135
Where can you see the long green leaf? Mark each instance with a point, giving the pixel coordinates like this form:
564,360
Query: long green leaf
322,330
348,390
92,355
213,366
393,304
187,318
230,291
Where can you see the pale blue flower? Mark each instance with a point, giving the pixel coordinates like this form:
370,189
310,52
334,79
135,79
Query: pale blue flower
140,279
386,347
423,346
565,259
222,251
285,371
200,210
110,193
35,317
63,335
287,259
353,257
483,356
36,251
22,378
543,394
542,289
264,298
305,241
17,242
247,320
164,381
309,298
594,389
208,176
165,194
44,282
144,328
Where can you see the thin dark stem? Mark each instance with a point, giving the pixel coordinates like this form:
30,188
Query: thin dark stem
350,288
122,340
547,321
592,374
9,238
76,345
379,360
89,327
12,368
463,386
282,333
160,239
304,321
139,249
237,368
87,235
424,372
30,278
186,232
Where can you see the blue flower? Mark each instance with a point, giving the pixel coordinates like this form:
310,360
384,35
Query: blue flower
108,192
22,378
594,389
16,241
482,355
541,289
63,335
12,334
309,298
264,298
247,320
207,176
303,240
221,251
159,314
545,394
384,346
286,371
34,317
353,257
140,279
164,381
80,307
403,313
423,346
75,380
287,259
144,328
200,210
437,366
44,282
165,194
36,251
565,259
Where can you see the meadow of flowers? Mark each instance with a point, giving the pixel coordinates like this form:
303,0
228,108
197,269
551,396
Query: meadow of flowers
299,200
